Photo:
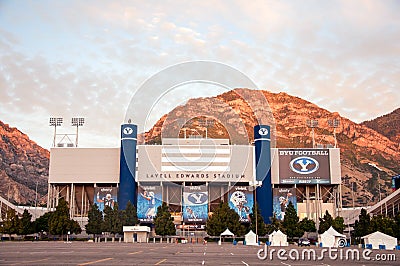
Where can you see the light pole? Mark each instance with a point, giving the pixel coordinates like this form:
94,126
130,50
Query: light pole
37,181
379,181
255,185
77,122
335,124
312,123
206,123
55,122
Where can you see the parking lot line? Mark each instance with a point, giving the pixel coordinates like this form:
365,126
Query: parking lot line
27,262
135,252
161,261
96,261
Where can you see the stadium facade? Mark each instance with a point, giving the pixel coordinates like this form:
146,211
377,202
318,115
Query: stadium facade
193,175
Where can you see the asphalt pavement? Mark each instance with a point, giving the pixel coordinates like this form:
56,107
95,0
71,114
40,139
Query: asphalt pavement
86,253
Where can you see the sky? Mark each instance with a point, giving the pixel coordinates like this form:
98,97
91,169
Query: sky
88,58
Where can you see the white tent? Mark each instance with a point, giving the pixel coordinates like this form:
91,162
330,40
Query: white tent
251,238
379,238
332,238
278,239
227,233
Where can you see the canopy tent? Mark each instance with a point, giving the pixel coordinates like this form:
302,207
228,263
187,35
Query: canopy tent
226,233
278,239
377,238
332,238
251,238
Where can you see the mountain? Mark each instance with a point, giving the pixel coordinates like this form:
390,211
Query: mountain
387,125
235,117
23,164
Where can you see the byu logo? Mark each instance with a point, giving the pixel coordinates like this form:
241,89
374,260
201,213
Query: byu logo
197,198
263,131
128,131
304,165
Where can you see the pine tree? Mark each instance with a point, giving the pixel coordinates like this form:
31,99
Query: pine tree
362,225
95,221
291,222
261,228
112,222
26,226
163,222
60,222
275,224
325,222
130,215
223,218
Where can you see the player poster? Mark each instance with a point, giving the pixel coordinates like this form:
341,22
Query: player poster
241,200
281,199
195,204
148,200
105,196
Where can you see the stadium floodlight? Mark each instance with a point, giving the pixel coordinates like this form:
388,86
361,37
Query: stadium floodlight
55,122
206,123
77,122
312,123
335,124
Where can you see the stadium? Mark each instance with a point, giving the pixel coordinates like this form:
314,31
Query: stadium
193,175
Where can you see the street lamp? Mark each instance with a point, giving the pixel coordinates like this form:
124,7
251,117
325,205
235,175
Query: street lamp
312,123
55,122
77,122
335,124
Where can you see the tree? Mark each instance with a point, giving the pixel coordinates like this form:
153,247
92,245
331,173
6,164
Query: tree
338,224
261,228
95,221
223,218
325,222
41,224
275,224
112,220
307,225
74,227
11,223
59,221
397,228
163,222
362,225
291,222
130,215
383,224
26,226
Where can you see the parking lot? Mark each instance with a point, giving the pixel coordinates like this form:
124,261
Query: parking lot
84,253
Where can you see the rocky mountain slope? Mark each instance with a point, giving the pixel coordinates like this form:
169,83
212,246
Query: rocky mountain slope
387,125
235,117
23,164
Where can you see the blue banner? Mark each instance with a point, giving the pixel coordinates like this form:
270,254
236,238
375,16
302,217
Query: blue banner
281,199
105,196
241,200
195,204
148,200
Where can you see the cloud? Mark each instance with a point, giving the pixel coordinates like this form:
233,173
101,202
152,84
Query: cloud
88,58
